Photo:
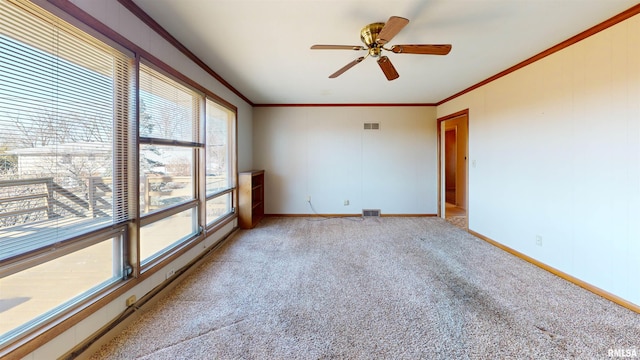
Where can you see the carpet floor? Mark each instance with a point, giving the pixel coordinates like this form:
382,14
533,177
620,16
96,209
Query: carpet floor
393,288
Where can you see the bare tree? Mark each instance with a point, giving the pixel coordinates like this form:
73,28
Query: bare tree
146,129
48,128
39,130
217,137
165,121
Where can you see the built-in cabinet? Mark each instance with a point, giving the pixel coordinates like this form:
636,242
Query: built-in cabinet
251,192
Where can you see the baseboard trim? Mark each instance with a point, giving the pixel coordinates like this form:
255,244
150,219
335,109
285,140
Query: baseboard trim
348,215
312,215
594,289
408,215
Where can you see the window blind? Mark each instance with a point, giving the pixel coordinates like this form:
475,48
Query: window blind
219,122
66,113
168,109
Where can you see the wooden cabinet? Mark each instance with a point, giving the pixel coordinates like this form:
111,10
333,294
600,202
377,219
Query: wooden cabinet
251,192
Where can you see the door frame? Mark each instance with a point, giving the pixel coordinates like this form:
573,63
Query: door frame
440,143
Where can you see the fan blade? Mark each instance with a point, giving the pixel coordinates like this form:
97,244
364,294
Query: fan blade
391,29
387,68
422,49
338,47
346,67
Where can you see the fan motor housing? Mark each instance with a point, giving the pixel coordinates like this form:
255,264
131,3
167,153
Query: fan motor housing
369,34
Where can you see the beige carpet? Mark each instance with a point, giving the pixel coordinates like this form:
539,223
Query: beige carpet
393,288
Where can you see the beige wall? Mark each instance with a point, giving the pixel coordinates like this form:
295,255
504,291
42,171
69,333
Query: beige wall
323,152
557,152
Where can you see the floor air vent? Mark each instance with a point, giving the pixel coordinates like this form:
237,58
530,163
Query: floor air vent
372,126
371,212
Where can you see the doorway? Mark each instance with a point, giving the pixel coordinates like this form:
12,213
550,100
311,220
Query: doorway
453,168
450,163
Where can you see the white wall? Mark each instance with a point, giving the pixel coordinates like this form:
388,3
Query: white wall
325,153
557,151
121,20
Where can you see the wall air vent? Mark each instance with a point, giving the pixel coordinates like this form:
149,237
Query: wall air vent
370,212
372,126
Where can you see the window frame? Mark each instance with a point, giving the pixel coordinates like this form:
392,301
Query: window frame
232,151
154,216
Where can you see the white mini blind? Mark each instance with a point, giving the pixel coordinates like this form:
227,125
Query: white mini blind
169,110
66,110
218,155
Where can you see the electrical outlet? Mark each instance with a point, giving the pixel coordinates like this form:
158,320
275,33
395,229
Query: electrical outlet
308,199
131,300
170,273
346,203
538,240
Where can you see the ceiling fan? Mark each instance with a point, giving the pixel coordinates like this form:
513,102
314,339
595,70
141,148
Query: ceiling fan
375,36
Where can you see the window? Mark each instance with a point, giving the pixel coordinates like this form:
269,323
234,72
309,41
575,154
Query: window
55,286
64,109
74,151
220,125
169,121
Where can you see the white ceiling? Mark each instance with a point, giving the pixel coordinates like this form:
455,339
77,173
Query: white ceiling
261,47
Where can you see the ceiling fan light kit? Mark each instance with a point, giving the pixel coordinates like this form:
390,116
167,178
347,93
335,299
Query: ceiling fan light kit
375,36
